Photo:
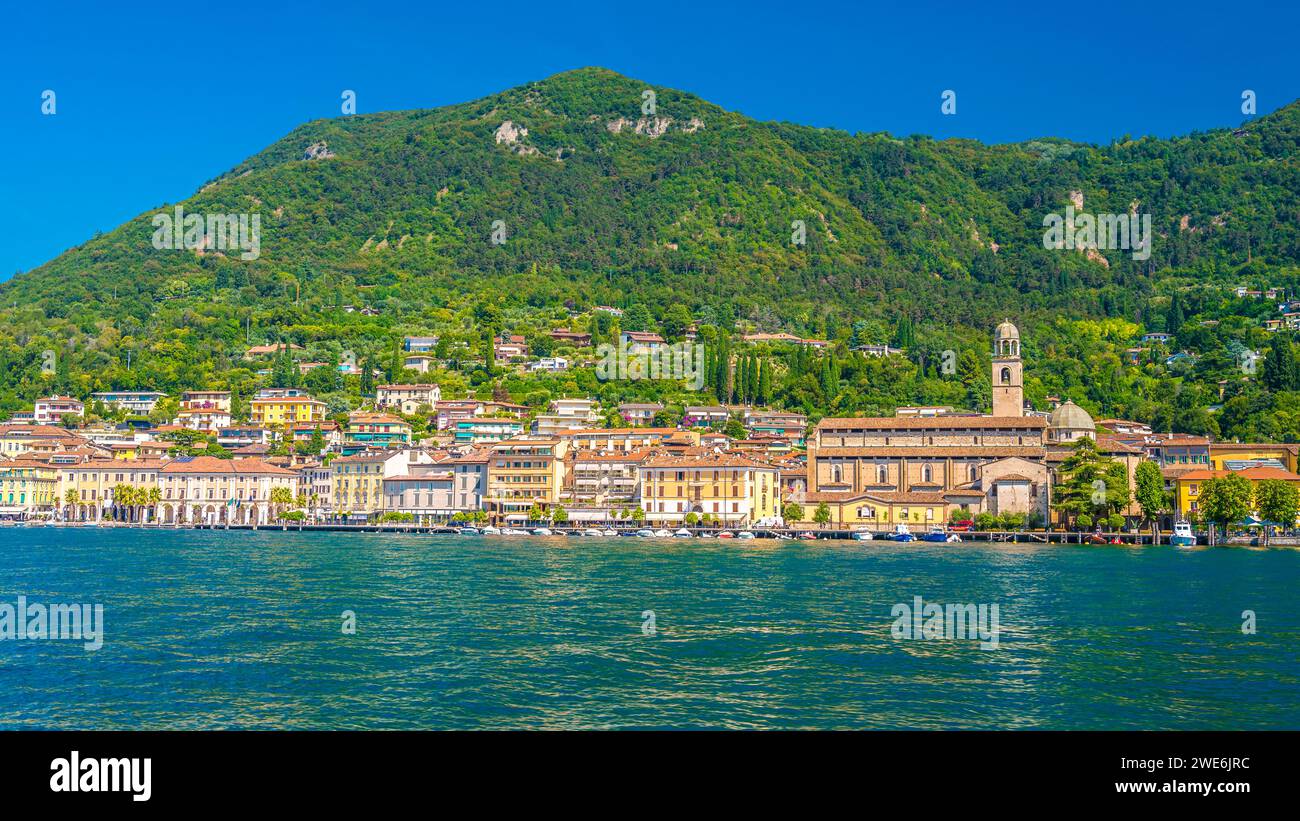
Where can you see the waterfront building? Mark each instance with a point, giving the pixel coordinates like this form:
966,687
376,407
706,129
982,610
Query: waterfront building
1190,484
916,468
359,479
604,478
470,474
316,483
28,486
141,402
523,473
208,490
425,492
52,410
92,483
1221,453
734,489
407,398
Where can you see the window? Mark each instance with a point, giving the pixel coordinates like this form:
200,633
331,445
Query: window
1006,376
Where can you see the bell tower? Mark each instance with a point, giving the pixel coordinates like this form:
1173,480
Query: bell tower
1008,376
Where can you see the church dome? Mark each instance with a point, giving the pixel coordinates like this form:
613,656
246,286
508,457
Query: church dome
1070,417
1006,331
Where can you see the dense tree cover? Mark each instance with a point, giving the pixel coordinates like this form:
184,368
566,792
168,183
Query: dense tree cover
919,243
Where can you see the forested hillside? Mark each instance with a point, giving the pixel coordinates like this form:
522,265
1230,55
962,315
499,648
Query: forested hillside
690,213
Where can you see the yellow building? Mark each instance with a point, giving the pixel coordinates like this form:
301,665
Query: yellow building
730,487
359,479
29,486
1191,484
882,511
1222,452
92,482
279,410
523,473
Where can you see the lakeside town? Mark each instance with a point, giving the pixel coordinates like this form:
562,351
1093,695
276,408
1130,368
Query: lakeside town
576,464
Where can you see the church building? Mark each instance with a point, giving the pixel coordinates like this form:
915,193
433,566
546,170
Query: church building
880,471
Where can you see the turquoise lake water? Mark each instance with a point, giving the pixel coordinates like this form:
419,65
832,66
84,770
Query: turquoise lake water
244,630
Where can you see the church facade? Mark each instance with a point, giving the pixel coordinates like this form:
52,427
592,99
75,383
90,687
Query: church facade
880,471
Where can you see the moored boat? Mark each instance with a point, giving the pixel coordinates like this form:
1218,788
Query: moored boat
744,534
935,534
902,533
861,536
543,531
468,531
645,533
682,533
1183,535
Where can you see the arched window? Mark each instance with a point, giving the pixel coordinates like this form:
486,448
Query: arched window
927,474
1006,376
882,474
974,473
836,474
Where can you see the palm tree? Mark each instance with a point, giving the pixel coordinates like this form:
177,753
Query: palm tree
152,497
280,497
71,501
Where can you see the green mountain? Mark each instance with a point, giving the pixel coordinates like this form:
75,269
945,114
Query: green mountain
600,202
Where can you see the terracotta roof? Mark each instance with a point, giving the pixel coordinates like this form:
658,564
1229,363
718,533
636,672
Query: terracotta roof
1012,477
622,456
211,464
1254,474
706,461
1247,447
936,451
931,422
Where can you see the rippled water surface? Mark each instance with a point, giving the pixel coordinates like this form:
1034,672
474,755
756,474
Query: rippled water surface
243,630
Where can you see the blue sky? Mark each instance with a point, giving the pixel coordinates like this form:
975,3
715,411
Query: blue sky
154,101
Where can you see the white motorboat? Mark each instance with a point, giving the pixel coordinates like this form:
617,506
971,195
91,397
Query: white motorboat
663,534
645,533
744,534
543,531
683,533
1183,535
